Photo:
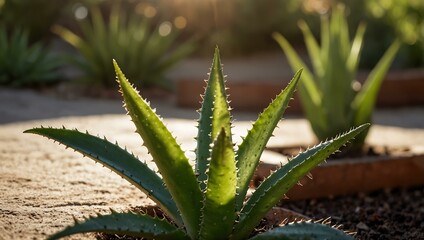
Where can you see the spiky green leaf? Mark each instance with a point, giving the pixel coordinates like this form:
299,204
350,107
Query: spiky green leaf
214,115
303,230
254,143
279,182
170,159
131,224
219,204
118,160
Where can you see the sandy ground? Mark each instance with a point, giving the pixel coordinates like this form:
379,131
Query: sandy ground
42,185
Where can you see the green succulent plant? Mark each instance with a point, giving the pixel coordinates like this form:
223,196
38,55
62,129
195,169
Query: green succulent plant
207,200
24,64
133,40
20,14
332,99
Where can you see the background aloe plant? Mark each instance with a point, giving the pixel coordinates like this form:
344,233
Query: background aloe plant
23,63
20,14
207,201
132,39
333,100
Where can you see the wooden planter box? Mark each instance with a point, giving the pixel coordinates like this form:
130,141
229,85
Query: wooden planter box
347,176
400,88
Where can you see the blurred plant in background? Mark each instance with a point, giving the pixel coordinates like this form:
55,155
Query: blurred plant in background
145,50
386,20
406,18
239,27
34,16
23,63
332,99
243,27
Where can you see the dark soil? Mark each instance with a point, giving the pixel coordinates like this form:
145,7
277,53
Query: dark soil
385,214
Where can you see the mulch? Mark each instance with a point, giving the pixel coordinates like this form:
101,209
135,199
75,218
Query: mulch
380,215
385,214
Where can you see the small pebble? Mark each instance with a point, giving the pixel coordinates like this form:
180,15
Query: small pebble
362,226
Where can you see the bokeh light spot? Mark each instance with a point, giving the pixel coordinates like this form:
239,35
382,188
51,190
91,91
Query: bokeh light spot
80,12
180,22
146,9
165,28
150,11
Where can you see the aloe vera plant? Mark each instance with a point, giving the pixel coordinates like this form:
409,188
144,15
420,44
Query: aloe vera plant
133,40
25,64
332,99
207,200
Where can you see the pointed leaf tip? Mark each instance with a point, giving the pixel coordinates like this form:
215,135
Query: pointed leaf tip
216,56
115,65
119,74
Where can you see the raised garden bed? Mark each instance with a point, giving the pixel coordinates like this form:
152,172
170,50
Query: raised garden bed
401,167
379,196
400,88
